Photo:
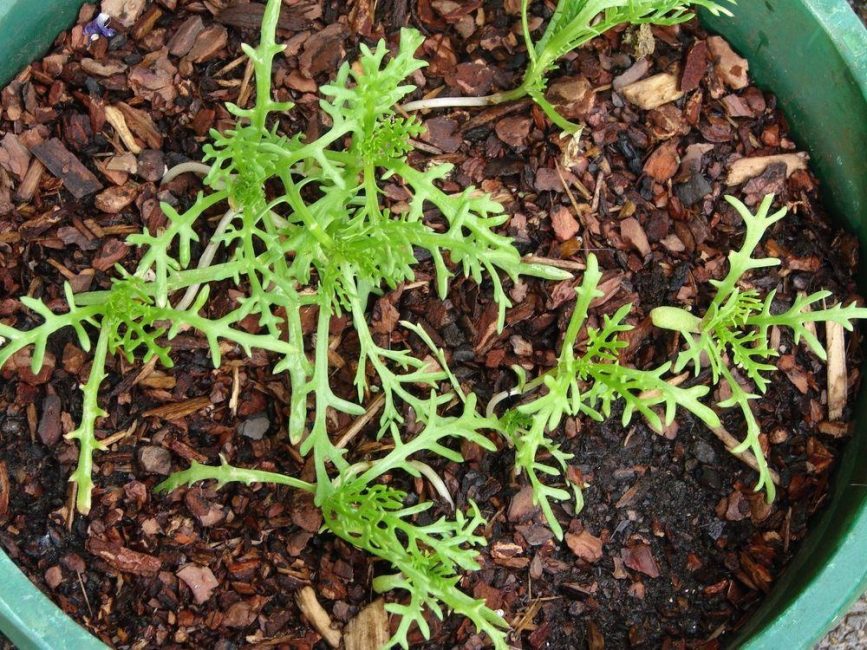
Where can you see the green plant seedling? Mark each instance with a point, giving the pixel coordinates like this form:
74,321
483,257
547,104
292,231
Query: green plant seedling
304,226
574,23
733,333
589,384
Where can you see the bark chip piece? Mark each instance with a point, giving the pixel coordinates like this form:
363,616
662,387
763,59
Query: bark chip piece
663,163
208,43
633,233
744,169
564,224
292,18
694,67
730,68
124,559
837,378
110,253
14,156
4,490
654,91
115,199
182,41
77,178
126,12
200,580
521,507
369,629
317,616
584,545
639,558
49,429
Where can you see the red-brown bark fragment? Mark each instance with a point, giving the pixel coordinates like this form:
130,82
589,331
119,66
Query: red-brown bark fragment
640,558
77,178
124,559
694,67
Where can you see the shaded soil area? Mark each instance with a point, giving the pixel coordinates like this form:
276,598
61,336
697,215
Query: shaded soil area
672,549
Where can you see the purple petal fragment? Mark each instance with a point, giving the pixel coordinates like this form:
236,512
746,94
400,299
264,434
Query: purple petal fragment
99,27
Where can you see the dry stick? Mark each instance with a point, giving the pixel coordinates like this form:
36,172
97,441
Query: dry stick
746,456
317,616
120,435
566,265
361,422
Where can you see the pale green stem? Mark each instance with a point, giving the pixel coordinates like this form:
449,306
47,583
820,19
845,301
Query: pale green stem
85,434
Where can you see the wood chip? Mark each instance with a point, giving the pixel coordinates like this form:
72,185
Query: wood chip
200,580
178,410
114,117
632,74
101,69
633,233
49,428
654,91
208,44
126,12
182,41
694,66
564,224
368,630
33,228
317,616
77,178
115,199
835,343
729,67
584,545
14,156
124,559
142,125
31,181
640,558
4,490
743,169
249,16
664,162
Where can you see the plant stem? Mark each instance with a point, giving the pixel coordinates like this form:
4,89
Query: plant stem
205,260
85,434
465,102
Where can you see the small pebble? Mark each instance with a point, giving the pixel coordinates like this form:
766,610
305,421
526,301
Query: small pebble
255,427
155,460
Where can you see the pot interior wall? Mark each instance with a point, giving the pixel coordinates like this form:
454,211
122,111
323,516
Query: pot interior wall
813,55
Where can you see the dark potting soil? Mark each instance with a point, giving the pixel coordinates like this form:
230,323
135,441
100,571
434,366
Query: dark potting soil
673,548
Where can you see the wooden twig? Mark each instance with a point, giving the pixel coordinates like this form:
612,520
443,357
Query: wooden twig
317,616
368,630
361,422
835,342
746,456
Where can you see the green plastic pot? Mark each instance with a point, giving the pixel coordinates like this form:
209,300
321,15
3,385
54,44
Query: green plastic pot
813,55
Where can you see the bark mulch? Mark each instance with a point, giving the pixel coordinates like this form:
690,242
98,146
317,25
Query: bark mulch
673,549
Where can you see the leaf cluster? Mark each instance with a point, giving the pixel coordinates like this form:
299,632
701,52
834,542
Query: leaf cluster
575,22
303,226
733,333
590,384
